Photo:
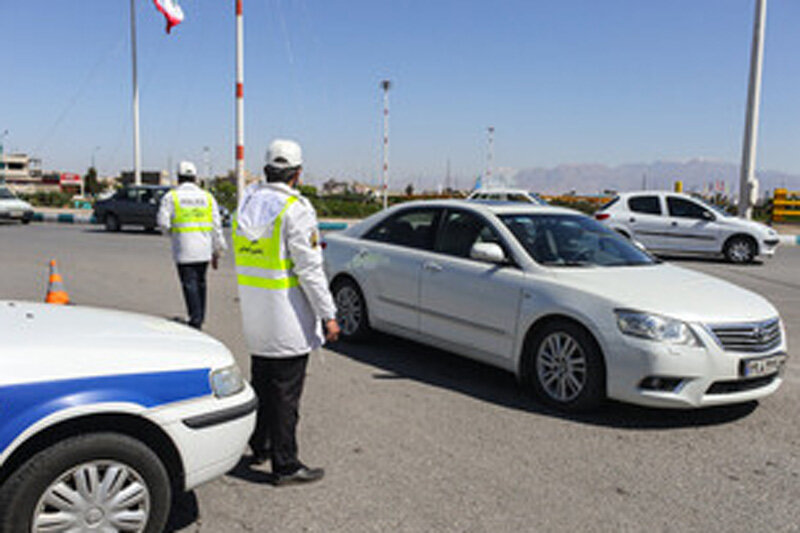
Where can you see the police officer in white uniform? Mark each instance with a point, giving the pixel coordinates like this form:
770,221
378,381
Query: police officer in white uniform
192,218
287,308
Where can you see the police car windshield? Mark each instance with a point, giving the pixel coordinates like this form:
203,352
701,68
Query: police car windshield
565,240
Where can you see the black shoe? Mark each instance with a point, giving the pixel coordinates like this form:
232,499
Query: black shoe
301,475
259,458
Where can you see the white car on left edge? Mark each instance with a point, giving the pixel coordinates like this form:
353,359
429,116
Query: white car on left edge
105,414
576,311
12,208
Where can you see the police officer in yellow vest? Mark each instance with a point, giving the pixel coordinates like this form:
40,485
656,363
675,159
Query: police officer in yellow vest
191,217
287,308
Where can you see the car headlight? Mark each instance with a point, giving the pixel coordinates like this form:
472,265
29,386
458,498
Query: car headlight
655,327
226,381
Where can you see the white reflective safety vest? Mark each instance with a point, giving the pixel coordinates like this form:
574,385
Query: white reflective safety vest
191,216
283,291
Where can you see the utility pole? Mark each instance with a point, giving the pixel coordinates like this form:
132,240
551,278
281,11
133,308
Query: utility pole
490,157
747,181
385,85
137,155
239,101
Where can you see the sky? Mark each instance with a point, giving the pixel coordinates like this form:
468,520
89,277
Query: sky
562,82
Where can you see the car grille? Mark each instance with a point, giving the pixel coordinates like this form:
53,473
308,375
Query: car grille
755,337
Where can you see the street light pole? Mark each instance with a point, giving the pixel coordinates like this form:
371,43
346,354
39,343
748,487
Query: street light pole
490,157
747,182
137,154
385,85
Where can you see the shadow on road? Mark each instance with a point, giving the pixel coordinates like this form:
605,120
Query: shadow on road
397,358
707,259
184,511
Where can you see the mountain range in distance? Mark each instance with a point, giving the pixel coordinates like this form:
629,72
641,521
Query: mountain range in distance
695,174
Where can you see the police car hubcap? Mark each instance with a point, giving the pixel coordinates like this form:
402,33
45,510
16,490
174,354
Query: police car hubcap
561,367
348,304
94,496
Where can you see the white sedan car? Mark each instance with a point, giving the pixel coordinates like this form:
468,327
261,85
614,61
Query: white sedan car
576,311
12,208
669,222
104,414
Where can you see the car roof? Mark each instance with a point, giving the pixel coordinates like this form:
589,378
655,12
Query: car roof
496,208
148,186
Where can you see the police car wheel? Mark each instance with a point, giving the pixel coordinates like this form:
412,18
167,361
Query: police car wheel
351,310
100,481
564,367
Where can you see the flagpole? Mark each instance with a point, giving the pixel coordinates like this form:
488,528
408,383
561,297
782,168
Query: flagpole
239,101
137,156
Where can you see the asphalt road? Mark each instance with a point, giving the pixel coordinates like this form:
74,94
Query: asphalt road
415,439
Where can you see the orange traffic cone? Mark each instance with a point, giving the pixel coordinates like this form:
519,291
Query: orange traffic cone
55,291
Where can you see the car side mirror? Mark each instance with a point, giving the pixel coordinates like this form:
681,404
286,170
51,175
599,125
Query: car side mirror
708,215
488,252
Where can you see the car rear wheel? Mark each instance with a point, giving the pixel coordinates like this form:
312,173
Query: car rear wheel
740,250
565,367
112,222
95,482
351,310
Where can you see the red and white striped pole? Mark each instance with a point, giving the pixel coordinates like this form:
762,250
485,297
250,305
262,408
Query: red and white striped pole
239,101
386,85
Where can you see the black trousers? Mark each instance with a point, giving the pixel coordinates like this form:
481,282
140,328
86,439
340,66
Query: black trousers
278,383
193,282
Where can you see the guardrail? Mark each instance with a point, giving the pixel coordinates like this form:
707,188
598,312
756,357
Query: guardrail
785,204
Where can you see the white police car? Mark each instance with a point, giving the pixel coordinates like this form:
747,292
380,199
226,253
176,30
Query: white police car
104,414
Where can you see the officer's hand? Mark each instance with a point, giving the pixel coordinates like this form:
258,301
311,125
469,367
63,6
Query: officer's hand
214,261
332,330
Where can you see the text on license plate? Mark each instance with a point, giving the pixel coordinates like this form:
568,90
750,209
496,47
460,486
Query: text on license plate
763,366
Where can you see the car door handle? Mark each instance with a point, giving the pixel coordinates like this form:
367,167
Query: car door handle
674,223
432,267
632,219
362,253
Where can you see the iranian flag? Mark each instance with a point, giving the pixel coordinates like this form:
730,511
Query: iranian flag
171,10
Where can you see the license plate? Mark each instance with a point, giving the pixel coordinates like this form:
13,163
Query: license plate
763,366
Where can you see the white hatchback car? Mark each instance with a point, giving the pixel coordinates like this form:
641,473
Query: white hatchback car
668,222
572,308
104,414
12,208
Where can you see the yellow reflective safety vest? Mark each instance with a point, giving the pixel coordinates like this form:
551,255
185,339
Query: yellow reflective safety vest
261,264
192,214
278,318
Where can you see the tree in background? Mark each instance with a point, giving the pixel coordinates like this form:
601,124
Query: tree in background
225,193
91,186
410,189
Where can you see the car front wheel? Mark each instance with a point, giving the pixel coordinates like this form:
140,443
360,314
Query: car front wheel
565,367
740,250
95,482
351,310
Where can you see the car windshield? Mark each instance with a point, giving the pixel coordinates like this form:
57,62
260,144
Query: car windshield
5,194
566,240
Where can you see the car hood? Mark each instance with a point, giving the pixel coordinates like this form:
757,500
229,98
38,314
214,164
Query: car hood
748,225
671,291
8,204
43,342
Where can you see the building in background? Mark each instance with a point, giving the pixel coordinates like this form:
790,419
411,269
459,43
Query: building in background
22,173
